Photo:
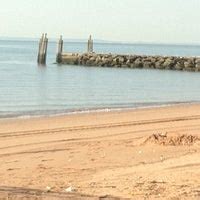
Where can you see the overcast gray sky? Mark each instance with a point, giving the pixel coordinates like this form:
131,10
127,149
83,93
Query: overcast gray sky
161,21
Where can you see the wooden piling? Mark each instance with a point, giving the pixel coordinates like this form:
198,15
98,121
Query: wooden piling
90,45
42,52
60,50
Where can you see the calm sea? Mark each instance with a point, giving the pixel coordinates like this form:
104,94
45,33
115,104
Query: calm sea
29,90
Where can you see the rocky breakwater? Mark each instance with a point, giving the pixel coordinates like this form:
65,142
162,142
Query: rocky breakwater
133,61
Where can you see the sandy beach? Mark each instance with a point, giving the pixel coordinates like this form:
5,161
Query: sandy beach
151,153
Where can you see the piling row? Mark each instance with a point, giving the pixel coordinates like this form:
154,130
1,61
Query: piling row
121,61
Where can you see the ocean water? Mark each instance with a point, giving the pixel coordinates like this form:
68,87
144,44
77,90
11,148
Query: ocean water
29,90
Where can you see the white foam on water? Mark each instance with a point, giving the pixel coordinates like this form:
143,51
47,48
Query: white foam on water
98,110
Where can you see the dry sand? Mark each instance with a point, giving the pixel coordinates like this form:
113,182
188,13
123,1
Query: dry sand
126,154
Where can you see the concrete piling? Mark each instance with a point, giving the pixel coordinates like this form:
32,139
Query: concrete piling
42,52
60,50
40,47
90,45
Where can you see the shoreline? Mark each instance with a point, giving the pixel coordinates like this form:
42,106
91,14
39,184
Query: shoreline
96,110
108,153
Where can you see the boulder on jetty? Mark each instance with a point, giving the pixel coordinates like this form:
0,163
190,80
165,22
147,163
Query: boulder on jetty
132,61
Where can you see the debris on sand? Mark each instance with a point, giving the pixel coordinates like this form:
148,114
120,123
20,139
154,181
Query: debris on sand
70,189
172,139
48,189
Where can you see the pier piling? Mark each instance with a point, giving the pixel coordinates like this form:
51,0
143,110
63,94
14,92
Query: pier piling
42,52
60,50
90,45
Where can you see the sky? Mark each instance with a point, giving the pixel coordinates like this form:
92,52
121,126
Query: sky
152,21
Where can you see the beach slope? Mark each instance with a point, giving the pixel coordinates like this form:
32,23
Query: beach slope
137,154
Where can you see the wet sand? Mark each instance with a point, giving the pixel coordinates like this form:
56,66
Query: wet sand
105,153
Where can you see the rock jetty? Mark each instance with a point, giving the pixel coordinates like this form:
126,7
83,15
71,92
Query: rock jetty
132,61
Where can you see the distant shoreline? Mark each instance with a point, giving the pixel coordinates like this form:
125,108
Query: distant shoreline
99,41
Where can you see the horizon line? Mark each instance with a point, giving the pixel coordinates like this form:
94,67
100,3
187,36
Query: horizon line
81,40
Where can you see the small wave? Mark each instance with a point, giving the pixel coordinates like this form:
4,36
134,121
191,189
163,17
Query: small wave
52,113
